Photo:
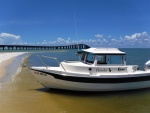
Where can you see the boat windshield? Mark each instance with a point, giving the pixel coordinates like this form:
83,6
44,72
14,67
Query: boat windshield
90,58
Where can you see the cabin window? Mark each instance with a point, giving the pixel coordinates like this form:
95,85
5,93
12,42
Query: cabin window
101,59
116,59
90,58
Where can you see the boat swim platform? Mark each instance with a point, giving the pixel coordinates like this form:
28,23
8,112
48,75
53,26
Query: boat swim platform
36,47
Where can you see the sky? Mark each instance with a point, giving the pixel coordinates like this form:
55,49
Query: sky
98,23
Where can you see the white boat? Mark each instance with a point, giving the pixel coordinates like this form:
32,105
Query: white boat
99,69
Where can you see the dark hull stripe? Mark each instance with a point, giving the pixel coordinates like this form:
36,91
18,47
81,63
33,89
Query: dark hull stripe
97,80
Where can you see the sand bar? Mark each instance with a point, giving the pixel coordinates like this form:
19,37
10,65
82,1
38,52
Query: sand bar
6,59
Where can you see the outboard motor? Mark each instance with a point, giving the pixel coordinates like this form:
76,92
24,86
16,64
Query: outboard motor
147,65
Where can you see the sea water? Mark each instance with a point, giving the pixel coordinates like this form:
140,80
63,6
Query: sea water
28,96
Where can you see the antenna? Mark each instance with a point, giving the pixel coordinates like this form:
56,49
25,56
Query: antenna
76,30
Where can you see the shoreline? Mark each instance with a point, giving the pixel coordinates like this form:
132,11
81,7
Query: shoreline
10,65
20,66
3,67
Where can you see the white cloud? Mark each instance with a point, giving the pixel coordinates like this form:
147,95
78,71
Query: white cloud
99,36
7,38
137,36
110,36
104,40
7,35
60,40
113,39
135,40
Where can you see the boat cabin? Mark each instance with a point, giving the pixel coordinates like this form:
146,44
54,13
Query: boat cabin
98,61
103,56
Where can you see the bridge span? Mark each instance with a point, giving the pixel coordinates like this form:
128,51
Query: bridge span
37,47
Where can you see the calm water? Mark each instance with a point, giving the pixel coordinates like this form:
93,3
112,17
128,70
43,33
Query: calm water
27,96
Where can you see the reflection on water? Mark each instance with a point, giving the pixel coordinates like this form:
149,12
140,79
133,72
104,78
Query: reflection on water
25,95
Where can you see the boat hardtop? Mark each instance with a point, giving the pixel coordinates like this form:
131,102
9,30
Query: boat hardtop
104,51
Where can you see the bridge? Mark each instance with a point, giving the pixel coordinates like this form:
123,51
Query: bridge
35,47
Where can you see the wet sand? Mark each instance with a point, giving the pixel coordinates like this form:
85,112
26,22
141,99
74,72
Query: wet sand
9,62
3,66
25,95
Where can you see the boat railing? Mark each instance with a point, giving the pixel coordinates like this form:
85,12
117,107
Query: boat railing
54,58
71,61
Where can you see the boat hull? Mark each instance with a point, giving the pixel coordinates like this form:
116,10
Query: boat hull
61,81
